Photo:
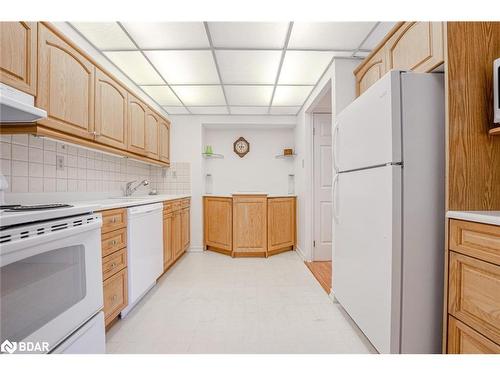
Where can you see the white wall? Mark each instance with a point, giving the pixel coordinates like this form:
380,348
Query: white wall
187,146
258,170
342,81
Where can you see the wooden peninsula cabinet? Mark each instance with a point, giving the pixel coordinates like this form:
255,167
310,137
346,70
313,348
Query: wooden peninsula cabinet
249,225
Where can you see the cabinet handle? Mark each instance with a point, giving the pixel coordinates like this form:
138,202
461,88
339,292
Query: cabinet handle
113,220
113,265
113,243
114,298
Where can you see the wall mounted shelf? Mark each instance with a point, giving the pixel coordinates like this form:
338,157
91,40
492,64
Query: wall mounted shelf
292,156
212,156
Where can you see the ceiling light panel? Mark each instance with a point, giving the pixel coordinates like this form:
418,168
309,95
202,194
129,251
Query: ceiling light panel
284,110
249,95
329,35
377,35
162,95
105,35
168,35
200,95
304,67
248,66
209,110
249,110
136,66
185,67
176,110
291,95
248,34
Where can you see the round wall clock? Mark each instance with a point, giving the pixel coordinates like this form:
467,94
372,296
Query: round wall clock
241,147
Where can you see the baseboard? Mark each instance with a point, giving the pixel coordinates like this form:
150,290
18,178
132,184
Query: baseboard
332,296
299,251
195,249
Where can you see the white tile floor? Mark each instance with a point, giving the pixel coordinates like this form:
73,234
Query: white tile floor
211,303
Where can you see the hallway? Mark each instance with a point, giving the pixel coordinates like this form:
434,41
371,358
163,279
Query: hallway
210,303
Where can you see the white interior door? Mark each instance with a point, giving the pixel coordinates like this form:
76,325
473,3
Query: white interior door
323,171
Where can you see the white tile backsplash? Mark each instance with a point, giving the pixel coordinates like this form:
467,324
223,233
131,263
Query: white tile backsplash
29,165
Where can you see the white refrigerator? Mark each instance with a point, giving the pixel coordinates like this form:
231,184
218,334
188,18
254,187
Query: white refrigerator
388,252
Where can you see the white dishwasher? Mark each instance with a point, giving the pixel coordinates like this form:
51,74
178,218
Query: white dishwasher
144,250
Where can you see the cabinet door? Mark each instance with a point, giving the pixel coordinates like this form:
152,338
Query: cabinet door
164,140
152,129
136,125
65,86
464,340
168,251
218,222
18,42
373,70
110,111
281,223
250,224
177,234
185,231
115,295
416,46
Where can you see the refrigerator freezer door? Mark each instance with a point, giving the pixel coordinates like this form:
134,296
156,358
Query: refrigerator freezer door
367,252
368,132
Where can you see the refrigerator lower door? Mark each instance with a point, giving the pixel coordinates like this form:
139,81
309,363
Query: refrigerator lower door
367,252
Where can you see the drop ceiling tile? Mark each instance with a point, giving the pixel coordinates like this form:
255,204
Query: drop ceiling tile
200,95
209,110
291,95
249,95
249,110
162,95
248,34
377,35
248,66
185,67
329,35
284,110
176,110
105,35
169,35
304,67
136,66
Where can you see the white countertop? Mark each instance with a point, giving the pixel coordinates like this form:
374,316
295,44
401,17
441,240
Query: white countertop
486,217
119,202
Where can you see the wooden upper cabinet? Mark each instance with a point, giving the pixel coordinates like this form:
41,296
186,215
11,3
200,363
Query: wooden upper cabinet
136,125
249,224
218,223
152,130
371,72
416,46
281,223
18,43
65,86
110,111
164,141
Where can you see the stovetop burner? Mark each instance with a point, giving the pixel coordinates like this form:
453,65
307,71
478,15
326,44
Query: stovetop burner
19,208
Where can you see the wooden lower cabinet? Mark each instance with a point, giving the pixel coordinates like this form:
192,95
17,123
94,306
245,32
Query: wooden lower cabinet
115,294
176,230
249,225
464,340
218,224
473,288
281,224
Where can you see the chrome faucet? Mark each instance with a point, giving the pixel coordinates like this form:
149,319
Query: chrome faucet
129,190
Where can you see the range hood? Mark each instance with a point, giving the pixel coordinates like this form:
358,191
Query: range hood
18,107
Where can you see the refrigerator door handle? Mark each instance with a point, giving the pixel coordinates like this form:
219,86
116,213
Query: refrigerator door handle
336,212
334,145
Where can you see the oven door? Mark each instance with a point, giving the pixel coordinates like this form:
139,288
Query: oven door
50,279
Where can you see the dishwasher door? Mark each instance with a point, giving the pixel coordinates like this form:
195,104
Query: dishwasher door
144,250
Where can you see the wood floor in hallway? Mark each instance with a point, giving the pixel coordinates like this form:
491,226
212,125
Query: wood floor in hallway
322,271
211,303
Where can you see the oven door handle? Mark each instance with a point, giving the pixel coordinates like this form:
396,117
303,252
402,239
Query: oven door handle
33,245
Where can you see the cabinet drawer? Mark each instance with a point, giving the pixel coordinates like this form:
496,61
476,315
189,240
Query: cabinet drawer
475,239
167,206
464,340
172,206
474,294
115,295
114,241
113,220
186,202
114,263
